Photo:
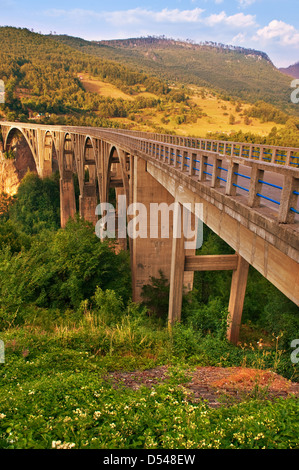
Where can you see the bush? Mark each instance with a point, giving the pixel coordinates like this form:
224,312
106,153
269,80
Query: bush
37,204
156,296
67,272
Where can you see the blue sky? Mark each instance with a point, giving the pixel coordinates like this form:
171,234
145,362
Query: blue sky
268,25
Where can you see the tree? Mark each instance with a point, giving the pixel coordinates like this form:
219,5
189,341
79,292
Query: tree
156,296
232,120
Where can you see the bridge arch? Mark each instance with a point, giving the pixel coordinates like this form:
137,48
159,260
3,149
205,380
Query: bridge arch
117,182
88,182
68,154
50,154
67,168
89,161
117,177
25,156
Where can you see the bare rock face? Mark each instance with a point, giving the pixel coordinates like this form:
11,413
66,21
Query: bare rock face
13,170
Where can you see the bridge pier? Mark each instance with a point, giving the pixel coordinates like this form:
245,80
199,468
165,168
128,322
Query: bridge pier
149,255
177,268
87,204
236,301
182,264
67,200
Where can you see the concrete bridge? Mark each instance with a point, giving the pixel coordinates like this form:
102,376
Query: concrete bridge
249,196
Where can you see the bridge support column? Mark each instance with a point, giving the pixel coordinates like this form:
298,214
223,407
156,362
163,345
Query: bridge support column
67,200
177,268
236,301
88,203
149,255
122,242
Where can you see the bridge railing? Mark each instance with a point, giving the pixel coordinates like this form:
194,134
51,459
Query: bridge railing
267,153
260,182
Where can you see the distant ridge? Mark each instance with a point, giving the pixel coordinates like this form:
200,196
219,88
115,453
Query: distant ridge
292,70
188,44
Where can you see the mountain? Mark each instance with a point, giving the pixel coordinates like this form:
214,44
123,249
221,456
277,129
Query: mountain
292,70
241,73
148,84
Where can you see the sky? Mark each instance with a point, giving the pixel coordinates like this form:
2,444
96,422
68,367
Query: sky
271,26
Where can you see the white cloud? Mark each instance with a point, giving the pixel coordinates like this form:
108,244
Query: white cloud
245,3
133,16
280,31
239,20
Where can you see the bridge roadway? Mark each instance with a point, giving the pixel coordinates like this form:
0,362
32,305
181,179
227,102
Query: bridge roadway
249,194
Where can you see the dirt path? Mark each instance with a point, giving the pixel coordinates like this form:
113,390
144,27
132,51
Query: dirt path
215,385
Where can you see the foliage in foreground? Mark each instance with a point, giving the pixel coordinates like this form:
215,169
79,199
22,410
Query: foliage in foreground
68,411
56,392
67,321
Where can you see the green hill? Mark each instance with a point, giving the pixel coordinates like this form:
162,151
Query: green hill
149,84
244,74
41,76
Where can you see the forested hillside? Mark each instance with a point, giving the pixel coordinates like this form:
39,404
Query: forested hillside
241,73
41,76
155,85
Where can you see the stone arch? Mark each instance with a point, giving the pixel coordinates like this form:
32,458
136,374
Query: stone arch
117,174
117,182
25,158
89,188
68,155
50,155
67,166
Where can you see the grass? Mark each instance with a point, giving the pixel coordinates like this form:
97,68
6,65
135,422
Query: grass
215,116
108,90
56,394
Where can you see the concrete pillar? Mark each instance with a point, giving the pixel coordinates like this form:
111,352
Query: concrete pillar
177,269
121,242
236,301
67,200
148,255
87,207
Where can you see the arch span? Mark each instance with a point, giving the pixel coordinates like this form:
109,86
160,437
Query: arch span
117,184
89,190
67,166
25,159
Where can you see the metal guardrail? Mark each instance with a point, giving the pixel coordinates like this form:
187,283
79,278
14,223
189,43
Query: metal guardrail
268,153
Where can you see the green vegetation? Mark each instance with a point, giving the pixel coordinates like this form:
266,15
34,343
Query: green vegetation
288,136
235,73
67,322
41,76
157,85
